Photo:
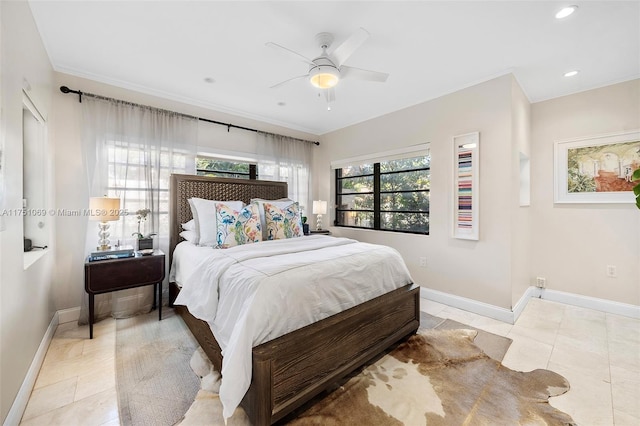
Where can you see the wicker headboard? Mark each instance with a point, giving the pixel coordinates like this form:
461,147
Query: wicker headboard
183,187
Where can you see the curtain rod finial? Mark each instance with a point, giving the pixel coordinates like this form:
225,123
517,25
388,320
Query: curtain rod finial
65,89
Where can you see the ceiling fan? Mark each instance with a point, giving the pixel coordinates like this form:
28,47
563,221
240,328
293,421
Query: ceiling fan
326,70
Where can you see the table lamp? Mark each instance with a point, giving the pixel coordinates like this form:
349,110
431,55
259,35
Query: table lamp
104,209
319,208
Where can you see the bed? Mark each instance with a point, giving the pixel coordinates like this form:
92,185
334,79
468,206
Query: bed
291,369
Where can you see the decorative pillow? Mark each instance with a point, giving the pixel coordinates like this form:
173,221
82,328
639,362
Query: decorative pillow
204,214
283,222
237,227
281,203
190,236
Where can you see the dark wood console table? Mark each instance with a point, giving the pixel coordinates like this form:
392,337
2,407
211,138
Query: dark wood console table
104,276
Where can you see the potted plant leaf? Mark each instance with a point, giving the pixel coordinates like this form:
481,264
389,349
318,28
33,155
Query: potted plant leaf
143,242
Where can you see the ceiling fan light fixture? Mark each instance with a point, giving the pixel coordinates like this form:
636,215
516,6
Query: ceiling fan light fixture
324,77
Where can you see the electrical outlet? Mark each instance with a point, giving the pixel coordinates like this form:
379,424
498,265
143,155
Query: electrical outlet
612,271
423,262
541,282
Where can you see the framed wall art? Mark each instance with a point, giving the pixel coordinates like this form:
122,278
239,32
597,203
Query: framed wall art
596,169
466,188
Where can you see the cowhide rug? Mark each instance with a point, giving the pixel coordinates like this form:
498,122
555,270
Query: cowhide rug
437,377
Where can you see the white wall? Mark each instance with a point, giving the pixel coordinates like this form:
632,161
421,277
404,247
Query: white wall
521,218
479,270
26,296
573,244
71,179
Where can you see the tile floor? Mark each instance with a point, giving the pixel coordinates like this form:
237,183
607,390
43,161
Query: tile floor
598,353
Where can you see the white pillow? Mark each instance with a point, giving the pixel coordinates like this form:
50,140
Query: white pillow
204,213
280,203
190,226
191,236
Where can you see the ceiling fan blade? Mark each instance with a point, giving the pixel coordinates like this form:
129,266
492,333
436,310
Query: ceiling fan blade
346,49
290,52
275,86
360,74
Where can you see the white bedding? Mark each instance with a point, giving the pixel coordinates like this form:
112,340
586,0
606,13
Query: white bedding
254,293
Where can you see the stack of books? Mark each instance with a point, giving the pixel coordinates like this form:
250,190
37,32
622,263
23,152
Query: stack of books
114,253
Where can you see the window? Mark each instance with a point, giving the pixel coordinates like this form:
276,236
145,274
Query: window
209,166
130,168
390,195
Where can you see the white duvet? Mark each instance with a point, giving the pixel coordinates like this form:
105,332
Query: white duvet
253,293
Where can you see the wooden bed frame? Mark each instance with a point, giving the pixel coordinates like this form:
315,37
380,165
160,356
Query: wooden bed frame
290,370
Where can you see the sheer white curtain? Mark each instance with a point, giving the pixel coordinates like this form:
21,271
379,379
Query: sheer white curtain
130,152
282,158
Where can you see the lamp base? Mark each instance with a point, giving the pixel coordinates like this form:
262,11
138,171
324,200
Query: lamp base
319,223
103,236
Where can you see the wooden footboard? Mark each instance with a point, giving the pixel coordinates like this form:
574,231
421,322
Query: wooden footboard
292,369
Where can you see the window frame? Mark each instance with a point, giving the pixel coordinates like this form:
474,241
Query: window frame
253,168
377,194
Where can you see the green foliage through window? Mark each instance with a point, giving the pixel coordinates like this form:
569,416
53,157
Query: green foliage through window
390,195
207,166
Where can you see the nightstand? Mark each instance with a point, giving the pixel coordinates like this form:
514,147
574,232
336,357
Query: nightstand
320,232
104,276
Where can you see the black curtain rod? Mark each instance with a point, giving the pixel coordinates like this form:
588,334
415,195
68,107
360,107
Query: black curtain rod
65,89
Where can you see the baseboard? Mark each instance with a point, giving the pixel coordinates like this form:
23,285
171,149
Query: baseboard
22,398
510,316
524,299
608,306
68,315
470,305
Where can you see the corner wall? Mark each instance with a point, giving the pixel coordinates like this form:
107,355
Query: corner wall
478,270
26,296
572,244
521,218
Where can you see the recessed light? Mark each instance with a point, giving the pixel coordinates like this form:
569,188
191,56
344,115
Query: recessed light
566,11
281,103
571,73
209,80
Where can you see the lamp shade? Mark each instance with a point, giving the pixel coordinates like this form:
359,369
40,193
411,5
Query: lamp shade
319,207
104,209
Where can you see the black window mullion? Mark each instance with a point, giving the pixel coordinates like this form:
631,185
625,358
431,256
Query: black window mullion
253,171
403,191
406,211
357,193
405,171
354,176
376,196
338,194
224,172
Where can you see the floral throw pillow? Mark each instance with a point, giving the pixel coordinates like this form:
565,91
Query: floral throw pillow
282,222
235,228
